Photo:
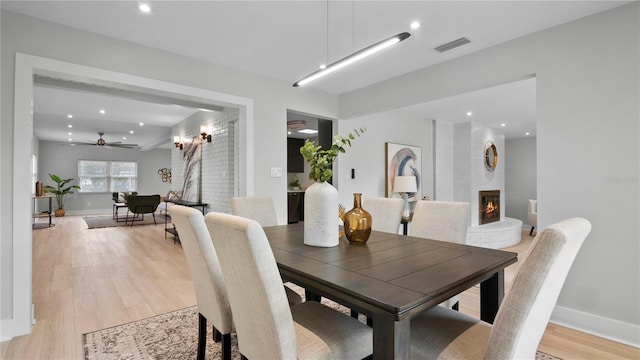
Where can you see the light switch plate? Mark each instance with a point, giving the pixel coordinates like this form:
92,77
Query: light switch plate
276,172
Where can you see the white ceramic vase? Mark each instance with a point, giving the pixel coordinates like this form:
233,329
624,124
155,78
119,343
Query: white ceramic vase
321,215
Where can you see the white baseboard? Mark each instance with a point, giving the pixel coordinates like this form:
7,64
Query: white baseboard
7,331
89,212
614,330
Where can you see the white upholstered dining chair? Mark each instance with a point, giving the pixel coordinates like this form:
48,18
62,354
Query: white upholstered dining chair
441,333
386,213
532,214
444,221
441,220
258,208
206,274
262,210
266,327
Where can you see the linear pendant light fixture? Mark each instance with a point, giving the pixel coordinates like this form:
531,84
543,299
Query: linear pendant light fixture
358,55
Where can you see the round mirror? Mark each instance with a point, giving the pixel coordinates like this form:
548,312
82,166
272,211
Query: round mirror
490,156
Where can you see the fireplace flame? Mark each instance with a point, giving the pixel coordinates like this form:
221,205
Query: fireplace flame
490,208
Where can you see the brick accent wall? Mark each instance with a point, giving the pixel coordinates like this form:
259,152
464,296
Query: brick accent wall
217,172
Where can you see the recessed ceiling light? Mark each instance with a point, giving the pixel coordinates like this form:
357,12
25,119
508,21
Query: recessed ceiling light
288,132
527,133
503,125
70,134
69,126
70,116
69,139
141,124
124,138
414,25
322,66
145,8
308,131
469,113
103,112
130,131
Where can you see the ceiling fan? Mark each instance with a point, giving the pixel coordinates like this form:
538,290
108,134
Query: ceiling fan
102,142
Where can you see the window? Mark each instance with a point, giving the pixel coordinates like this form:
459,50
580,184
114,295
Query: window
107,176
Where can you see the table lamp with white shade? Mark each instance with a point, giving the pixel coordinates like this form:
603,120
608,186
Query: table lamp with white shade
405,185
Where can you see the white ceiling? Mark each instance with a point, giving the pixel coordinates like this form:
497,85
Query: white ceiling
52,106
287,40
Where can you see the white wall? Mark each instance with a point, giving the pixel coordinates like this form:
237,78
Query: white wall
62,160
587,135
271,99
521,174
367,154
443,171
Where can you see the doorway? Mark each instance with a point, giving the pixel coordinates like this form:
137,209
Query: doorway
300,128
27,66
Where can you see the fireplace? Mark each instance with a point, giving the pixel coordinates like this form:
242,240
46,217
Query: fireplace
489,206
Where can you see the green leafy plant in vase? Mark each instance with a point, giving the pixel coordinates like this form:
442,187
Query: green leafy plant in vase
321,160
60,191
321,198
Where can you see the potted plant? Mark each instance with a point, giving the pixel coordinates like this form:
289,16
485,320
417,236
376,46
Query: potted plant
321,198
321,160
295,184
61,190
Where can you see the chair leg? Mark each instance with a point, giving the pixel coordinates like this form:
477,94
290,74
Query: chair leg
217,336
202,336
456,306
154,219
226,346
531,232
354,314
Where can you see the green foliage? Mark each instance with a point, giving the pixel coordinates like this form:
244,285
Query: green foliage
295,183
61,190
321,160
126,195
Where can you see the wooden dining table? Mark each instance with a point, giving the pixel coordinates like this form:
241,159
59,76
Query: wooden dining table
390,279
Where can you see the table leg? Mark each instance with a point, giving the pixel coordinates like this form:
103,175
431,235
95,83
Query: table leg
391,338
311,296
491,294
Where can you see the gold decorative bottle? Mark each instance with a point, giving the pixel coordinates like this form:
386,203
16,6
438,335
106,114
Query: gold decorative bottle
357,222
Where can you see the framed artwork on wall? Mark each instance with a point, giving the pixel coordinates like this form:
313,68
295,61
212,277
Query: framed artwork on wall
402,160
191,155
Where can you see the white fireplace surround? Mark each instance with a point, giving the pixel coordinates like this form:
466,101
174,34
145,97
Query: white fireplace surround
460,157
496,235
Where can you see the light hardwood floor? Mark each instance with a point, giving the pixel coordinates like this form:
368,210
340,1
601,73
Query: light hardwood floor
85,280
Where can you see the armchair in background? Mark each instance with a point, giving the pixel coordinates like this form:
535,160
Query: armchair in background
140,205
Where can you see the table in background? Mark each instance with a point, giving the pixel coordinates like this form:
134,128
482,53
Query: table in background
392,278
42,214
193,204
117,206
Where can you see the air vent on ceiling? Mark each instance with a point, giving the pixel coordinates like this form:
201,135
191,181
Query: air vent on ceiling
452,44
